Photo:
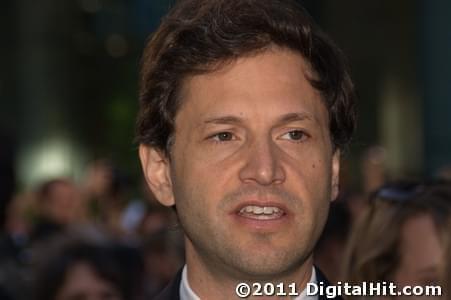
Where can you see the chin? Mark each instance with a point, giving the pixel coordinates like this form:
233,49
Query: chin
268,266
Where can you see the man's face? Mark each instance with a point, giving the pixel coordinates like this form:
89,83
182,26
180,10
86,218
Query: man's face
252,168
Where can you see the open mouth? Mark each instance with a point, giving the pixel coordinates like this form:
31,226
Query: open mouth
261,212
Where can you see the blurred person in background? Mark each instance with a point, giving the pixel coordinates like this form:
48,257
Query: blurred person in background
145,216
162,244
14,246
349,206
400,236
18,223
157,218
69,269
444,173
446,277
58,205
163,257
9,245
104,188
7,176
372,168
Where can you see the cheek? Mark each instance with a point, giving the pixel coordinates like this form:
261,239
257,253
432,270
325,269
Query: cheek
197,186
198,169
312,172
191,159
312,181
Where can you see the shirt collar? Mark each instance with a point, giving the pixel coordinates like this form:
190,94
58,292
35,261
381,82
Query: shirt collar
186,293
303,295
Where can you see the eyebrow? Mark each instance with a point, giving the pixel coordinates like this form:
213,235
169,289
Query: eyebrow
292,117
223,120
287,118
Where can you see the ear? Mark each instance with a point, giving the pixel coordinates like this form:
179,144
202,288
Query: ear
156,171
335,174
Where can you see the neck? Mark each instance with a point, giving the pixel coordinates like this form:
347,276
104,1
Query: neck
209,281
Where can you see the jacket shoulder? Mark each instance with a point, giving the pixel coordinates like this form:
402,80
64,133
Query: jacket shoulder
172,290
321,278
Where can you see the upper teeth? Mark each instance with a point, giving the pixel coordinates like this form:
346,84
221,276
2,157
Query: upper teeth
258,210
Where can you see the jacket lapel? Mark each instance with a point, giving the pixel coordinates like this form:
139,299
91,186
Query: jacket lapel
172,290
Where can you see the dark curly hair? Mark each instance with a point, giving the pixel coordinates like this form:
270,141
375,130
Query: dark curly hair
199,36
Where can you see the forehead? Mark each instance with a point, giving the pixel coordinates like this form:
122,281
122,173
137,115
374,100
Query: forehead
276,79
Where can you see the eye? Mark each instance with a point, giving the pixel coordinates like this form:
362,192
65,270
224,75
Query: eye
295,135
223,136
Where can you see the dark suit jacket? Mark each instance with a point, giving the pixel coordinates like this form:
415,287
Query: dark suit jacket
172,290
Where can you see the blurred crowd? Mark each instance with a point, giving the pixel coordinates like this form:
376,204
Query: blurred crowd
390,229
85,240
68,239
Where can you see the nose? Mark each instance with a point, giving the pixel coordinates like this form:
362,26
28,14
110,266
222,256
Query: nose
263,164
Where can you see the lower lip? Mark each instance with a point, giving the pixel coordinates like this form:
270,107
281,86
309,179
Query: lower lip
262,225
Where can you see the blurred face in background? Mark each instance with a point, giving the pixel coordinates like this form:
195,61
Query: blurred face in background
82,283
421,252
62,203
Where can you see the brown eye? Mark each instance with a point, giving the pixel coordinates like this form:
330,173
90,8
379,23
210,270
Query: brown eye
296,135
